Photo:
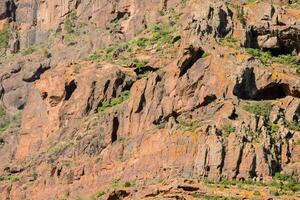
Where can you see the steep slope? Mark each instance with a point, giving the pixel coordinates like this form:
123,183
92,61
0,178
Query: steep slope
170,99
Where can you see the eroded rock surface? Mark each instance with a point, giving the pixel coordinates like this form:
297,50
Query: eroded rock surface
121,99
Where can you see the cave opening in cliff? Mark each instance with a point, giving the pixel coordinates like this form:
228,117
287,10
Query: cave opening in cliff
115,128
272,91
208,99
10,10
280,51
285,42
247,89
69,89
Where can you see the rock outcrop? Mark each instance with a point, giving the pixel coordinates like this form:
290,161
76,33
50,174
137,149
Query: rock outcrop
145,94
275,30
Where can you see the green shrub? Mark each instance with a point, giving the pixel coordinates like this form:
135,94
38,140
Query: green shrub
72,27
161,12
9,177
184,2
161,34
297,142
211,197
252,1
161,125
275,192
204,55
294,187
127,184
293,4
4,120
174,16
97,195
283,177
262,108
116,23
139,63
142,42
4,36
61,146
272,129
280,182
227,129
140,68
108,54
264,57
229,42
292,125
287,182
288,60
190,126
28,51
123,96
241,16
114,183
69,23
158,37
94,57
113,102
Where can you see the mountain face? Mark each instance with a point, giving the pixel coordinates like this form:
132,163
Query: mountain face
149,99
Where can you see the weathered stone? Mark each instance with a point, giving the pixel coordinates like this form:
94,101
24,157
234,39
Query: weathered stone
185,117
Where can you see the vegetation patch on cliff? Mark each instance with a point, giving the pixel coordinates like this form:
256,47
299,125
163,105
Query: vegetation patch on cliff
4,36
72,27
262,108
227,129
293,4
113,102
9,177
62,145
7,121
159,38
4,120
282,182
266,58
230,42
189,125
292,125
28,50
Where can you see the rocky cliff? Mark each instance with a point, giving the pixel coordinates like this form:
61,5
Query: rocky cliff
149,99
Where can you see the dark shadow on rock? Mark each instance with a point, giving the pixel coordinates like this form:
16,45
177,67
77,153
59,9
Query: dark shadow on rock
37,74
246,88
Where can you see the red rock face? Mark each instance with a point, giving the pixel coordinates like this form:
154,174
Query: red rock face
144,93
